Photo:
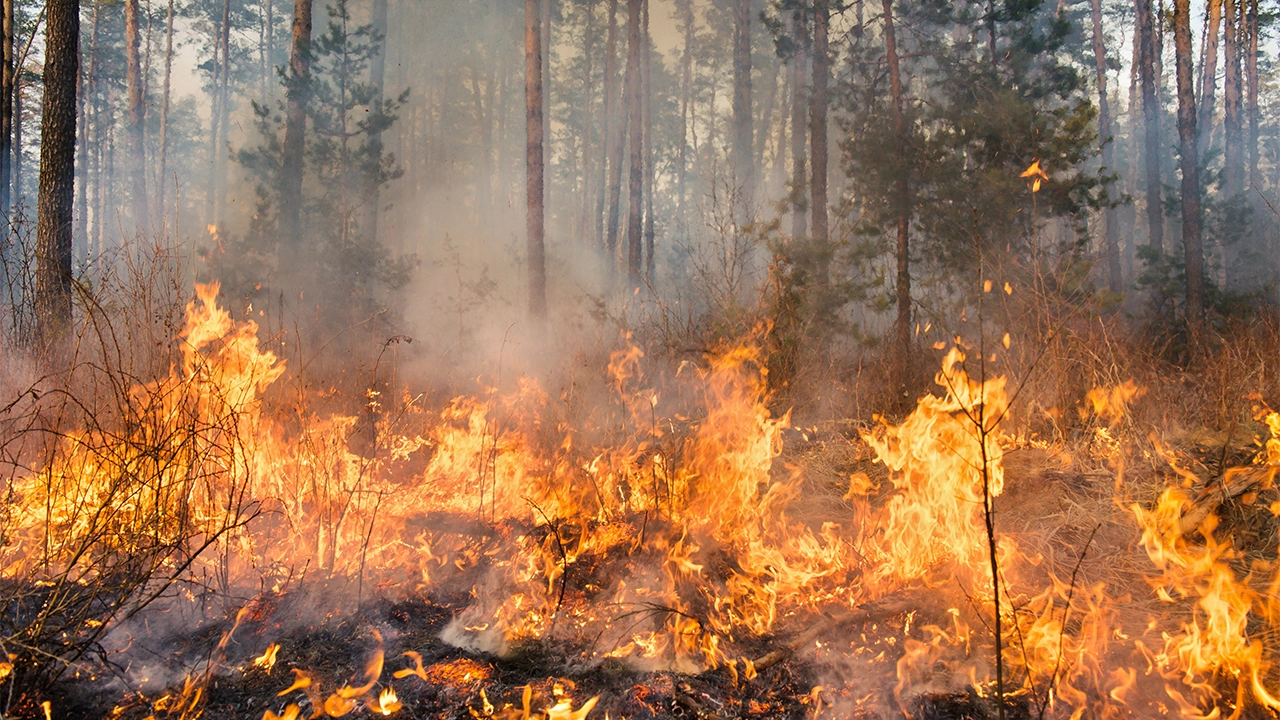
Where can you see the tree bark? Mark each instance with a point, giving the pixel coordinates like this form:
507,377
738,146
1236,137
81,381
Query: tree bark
1251,88
6,108
137,115
57,171
586,226
902,206
377,77
1151,121
799,138
743,166
685,10
295,130
1209,75
1190,164
615,132
1232,157
818,112
1111,232
635,119
164,109
647,72
224,118
534,191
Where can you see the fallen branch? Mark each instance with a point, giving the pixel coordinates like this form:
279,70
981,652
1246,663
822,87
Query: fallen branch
1235,482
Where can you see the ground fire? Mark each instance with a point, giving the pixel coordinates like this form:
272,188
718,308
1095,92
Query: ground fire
667,551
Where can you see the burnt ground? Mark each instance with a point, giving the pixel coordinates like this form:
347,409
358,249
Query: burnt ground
335,652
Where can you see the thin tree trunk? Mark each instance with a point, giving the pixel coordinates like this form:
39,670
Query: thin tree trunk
295,130
818,112
6,109
1251,89
902,203
1190,163
137,115
635,119
615,133
1209,75
81,234
1232,157
1151,117
164,109
1111,246
585,224
55,204
647,72
534,190
799,138
224,118
743,167
377,77
684,9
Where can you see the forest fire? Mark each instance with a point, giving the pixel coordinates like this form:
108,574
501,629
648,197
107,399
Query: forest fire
667,538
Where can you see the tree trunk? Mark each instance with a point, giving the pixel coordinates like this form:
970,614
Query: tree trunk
685,10
1209,75
902,206
1190,163
57,170
1251,89
586,225
1232,157
534,192
80,235
818,111
647,71
137,115
635,119
743,167
799,138
1111,232
615,133
224,118
164,109
295,129
6,108
1151,121
377,77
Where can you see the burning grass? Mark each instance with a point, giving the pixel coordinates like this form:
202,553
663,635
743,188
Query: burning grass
667,545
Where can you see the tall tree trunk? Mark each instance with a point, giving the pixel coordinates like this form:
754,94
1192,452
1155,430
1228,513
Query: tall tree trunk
1232,157
80,239
1111,232
635,119
743,167
534,190
1251,88
902,206
1190,163
137,115
298,90
164,109
585,224
818,112
6,108
615,132
799,138
1151,124
57,170
684,9
377,77
224,118
647,72
1209,75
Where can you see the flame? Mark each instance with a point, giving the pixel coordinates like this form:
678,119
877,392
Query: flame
267,659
